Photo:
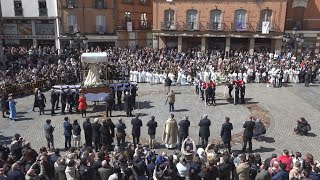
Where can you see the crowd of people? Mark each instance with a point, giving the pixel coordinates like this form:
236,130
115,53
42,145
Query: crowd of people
100,158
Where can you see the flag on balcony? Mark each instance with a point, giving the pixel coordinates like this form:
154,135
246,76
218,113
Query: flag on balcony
265,27
240,26
129,26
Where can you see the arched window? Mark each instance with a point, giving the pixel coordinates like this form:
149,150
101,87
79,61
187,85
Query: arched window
265,15
215,19
143,19
169,16
192,16
240,19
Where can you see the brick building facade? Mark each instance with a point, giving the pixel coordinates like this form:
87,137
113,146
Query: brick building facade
219,24
304,15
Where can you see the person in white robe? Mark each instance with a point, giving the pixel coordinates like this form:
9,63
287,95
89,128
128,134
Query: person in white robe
172,78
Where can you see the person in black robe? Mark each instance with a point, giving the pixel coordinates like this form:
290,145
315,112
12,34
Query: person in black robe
128,104
36,100
242,93
63,101
53,101
42,102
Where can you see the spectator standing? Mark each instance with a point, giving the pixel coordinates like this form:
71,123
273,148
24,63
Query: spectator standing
48,129
41,102
152,126
170,134
76,134
87,128
82,105
184,125
167,84
136,130
171,98
204,131
286,159
105,171
96,134
12,108
121,133
67,127
248,134
225,133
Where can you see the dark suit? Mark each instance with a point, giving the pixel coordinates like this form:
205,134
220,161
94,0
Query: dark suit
183,131
121,134
136,128
242,93
119,95
67,134
128,105
96,135
48,129
53,102
204,132
226,134
63,102
248,134
87,133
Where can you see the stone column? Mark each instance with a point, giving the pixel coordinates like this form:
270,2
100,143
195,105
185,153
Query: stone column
251,46
203,43
179,44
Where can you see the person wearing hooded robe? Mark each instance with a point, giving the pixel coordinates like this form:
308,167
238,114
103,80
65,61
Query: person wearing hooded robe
170,133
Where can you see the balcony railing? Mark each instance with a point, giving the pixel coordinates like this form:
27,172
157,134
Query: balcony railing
18,12
71,29
43,12
167,25
272,27
216,26
241,27
136,25
191,26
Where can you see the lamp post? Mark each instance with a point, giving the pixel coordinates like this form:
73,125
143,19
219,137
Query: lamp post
293,40
77,42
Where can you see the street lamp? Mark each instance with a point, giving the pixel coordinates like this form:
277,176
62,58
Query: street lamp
293,40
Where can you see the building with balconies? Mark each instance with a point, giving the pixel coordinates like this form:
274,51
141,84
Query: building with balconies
29,22
134,23
303,16
219,24
93,19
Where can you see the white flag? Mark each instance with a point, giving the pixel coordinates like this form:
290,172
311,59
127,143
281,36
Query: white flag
129,26
265,27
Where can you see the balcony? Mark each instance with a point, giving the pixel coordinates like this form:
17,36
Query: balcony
71,29
242,27
216,26
70,4
191,26
43,12
18,12
166,25
127,1
145,2
273,27
136,25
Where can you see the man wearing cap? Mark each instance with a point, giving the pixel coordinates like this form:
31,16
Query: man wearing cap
67,127
121,133
96,134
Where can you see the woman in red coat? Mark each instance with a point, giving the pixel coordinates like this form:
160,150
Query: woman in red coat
82,105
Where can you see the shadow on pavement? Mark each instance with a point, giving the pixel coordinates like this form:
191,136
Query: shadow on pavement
311,135
181,110
145,105
5,139
264,150
266,139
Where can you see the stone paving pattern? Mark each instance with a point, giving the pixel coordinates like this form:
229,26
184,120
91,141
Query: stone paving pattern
285,105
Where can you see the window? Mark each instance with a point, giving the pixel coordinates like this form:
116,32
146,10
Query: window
215,19
18,8
192,16
43,8
127,1
72,23
240,19
99,4
169,16
143,19
143,2
70,4
101,24
127,16
265,15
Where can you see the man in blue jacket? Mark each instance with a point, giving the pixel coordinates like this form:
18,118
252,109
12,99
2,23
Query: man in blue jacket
67,127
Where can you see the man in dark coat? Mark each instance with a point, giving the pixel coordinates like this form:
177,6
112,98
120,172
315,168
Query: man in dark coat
87,132
152,126
183,130
134,95
53,101
167,84
57,98
96,134
236,93
119,98
4,102
128,104
204,131
242,92
121,133
42,102
248,134
109,104
226,134
70,100
63,101
307,77
67,127
48,130
136,130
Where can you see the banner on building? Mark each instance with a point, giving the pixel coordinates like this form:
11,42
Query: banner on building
129,26
265,27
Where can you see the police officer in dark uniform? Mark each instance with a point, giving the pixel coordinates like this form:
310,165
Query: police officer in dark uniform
280,77
57,100
134,94
75,99
53,101
63,101
70,100
236,93
119,95
128,104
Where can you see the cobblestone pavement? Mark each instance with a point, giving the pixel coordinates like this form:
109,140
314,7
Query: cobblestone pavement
285,105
